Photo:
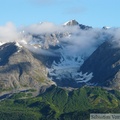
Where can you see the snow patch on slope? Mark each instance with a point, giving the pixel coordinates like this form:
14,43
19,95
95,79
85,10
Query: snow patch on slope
1,43
68,67
17,44
84,77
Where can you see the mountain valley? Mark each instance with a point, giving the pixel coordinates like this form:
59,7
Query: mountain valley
64,72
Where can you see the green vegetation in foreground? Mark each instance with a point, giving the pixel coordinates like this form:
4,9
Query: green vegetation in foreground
59,104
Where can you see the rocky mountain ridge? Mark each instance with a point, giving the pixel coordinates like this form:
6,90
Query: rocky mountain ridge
104,63
20,70
72,57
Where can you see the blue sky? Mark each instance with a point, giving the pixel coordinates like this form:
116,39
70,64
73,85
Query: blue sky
96,13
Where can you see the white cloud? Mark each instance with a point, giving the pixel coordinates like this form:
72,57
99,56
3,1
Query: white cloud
80,41
47,27
85,42
8,32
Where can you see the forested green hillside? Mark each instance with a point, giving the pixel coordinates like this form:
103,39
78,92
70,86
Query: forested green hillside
60,104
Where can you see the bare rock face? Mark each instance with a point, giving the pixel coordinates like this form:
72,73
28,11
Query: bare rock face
104,63
19,69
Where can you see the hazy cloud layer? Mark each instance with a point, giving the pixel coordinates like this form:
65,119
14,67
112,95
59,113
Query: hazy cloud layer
82,42
41,2
85,42
47,27
50,2
75,10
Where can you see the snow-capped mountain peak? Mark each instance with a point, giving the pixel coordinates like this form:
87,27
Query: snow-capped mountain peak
71,23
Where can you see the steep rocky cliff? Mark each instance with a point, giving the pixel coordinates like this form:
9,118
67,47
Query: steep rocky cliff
19,69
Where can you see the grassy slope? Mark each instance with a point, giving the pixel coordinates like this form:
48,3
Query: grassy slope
57,103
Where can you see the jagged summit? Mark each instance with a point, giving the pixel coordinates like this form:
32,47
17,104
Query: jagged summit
71,23
75,23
